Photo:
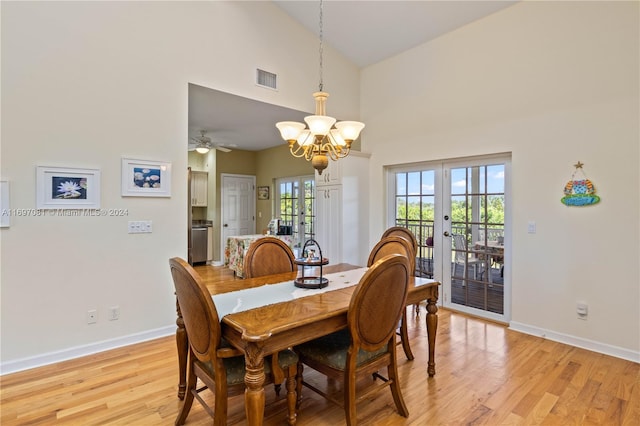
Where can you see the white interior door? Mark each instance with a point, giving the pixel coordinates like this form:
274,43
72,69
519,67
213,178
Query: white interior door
238,207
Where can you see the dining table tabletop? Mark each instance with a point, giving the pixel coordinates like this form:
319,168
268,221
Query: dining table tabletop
261,316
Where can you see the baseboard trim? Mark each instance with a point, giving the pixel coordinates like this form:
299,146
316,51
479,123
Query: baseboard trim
92,348
84,350
579,342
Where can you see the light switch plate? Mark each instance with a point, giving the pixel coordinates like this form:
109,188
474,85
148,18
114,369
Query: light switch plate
531,227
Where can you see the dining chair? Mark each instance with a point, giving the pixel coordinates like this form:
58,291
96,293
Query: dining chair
368,343
211,359
401,231
268,256
396,245
461,257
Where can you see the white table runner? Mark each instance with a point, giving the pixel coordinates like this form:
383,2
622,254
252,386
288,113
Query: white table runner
250,298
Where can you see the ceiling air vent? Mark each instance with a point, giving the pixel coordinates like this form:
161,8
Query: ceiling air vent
266,79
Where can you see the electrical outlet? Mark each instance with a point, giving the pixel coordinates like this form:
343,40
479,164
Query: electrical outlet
114,313
582,309
133,227
92,316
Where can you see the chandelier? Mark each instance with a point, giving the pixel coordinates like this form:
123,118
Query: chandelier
324,138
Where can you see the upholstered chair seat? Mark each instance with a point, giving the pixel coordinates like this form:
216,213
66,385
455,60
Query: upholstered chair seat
332,350
235,367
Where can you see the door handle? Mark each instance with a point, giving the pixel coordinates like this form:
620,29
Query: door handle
446,233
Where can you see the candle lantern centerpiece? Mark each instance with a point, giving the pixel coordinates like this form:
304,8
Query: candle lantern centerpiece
311,258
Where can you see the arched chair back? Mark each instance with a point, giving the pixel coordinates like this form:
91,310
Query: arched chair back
218,365
378,302
368,343
198,311
401,231
391,245
396,245
268,256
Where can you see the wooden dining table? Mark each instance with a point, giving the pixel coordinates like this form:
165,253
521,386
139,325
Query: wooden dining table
264,330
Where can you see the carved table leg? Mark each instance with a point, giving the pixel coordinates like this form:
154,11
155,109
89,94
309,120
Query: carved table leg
432,327
254,378
183,347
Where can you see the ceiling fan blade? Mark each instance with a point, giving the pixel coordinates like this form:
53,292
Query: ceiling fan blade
222,148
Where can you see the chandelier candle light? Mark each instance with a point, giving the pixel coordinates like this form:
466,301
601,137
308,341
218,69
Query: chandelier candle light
324,138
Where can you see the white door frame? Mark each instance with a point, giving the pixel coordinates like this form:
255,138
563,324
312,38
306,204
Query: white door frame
441,256
251,207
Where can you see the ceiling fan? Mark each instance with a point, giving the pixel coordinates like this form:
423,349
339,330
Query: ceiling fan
202,144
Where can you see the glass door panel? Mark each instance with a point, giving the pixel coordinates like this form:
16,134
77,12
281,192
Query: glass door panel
414,209
295,206
477,201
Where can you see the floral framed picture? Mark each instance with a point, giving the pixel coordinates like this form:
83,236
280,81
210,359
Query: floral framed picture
67,188
263,193
145,178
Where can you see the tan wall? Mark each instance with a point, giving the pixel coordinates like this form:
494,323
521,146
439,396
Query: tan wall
266,166
275,163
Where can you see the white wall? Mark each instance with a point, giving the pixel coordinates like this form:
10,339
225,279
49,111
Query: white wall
552,83
84,83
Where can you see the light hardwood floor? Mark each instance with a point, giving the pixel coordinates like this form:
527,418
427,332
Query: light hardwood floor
485,375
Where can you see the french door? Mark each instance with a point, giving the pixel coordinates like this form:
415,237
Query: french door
295,206
458,212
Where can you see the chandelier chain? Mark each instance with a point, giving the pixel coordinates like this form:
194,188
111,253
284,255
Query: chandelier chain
320,141
321,85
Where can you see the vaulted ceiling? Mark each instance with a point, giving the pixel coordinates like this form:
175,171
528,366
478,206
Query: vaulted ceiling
359,30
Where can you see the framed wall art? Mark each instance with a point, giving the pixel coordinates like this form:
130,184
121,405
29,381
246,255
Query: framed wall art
263,193
145,178
67,188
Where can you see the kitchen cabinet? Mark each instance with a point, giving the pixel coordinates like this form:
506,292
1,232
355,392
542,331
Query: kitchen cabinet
328,221
331,175
342,210
199,189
